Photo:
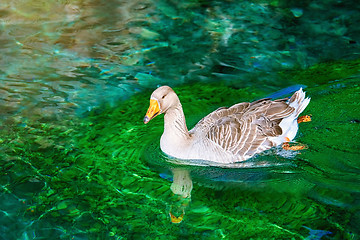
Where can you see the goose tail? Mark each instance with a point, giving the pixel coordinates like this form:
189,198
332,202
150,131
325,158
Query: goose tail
299,102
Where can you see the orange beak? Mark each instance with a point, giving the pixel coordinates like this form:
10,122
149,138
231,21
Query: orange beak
176,219
153,110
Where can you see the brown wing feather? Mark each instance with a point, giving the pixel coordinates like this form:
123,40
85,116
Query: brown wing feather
244,128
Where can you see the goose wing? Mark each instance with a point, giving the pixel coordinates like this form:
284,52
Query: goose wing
244,128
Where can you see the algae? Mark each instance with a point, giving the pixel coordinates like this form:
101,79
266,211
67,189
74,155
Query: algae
89,174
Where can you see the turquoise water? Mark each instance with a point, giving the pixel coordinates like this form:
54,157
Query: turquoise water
77,162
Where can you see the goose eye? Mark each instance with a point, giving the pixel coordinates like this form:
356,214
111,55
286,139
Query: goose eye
163,96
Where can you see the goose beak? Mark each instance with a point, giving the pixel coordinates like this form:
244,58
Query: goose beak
153,110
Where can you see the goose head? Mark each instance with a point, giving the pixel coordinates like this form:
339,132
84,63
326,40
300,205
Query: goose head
161,100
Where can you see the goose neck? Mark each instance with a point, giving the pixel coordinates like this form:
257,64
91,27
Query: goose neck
174,122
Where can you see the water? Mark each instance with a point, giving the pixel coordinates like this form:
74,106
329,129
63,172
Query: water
78,163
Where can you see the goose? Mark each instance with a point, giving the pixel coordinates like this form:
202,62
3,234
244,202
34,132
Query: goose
227,135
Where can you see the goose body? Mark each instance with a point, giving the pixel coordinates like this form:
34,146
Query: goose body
226,135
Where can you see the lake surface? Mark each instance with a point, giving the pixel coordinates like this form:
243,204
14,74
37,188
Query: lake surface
77,162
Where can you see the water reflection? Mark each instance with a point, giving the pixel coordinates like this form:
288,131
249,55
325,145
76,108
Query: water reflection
273,172
58,54
182,184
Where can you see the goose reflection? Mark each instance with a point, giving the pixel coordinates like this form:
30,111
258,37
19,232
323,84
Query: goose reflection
268,171
181,186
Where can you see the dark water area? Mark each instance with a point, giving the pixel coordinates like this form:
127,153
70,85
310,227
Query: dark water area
77,162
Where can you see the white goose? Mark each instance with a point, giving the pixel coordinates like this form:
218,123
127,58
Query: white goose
226,135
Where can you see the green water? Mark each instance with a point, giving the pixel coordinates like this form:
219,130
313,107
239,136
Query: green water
77,162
